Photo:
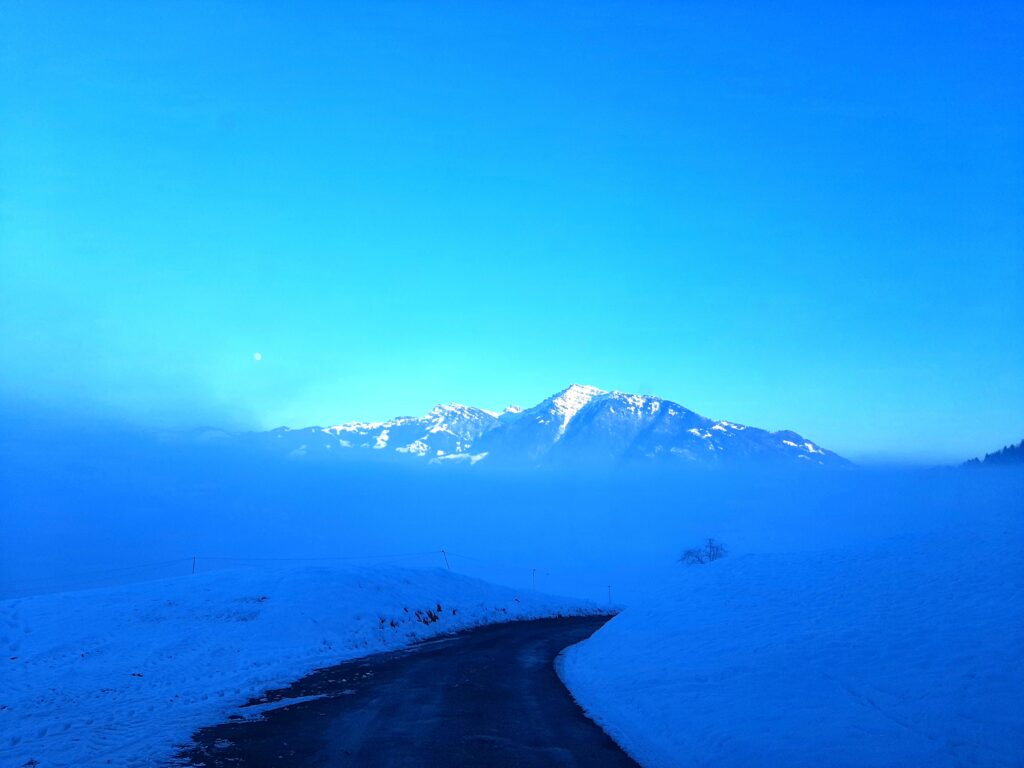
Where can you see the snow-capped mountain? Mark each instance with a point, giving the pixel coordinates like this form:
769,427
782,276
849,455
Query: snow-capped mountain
448,430
581,425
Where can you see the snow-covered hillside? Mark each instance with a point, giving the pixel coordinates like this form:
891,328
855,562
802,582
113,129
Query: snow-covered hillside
581,425
902,653
119,677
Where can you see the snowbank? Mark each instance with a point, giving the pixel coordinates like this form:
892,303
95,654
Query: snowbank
121,676
902,653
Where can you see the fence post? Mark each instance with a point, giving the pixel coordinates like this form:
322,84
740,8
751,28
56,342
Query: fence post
193,565
446,563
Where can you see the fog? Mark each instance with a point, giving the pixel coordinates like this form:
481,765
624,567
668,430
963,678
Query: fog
90,504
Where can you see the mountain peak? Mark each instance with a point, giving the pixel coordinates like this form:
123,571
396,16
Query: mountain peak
458,408
571,401
581,390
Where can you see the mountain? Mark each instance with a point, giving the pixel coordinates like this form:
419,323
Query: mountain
448,430
579,426
1010,455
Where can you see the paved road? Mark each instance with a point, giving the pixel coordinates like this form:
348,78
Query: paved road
487,697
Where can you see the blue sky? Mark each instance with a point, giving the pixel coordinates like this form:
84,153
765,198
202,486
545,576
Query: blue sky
806,217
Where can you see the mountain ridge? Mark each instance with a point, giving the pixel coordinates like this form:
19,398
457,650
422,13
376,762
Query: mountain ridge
581,425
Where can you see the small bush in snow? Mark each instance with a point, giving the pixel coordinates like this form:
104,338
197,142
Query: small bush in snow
711,550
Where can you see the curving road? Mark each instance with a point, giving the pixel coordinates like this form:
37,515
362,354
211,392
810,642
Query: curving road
487,697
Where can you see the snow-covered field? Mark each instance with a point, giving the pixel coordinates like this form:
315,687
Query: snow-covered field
121,676
905,652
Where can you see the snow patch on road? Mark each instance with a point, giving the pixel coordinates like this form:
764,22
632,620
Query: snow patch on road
256,711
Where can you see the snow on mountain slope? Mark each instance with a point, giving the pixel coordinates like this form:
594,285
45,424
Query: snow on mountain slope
636,427
902,653
447,429
527,436
579,425
616,426
121,676
571,401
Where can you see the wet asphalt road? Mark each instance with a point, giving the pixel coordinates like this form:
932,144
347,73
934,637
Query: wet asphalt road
487,697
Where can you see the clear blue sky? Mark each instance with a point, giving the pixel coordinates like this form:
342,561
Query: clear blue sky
808,217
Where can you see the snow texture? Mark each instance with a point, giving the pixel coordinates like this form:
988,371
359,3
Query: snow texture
902,653
122,676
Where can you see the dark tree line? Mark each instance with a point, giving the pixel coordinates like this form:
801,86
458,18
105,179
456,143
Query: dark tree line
1011,454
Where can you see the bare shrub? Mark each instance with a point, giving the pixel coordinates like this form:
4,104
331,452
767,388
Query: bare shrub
711,550
693,557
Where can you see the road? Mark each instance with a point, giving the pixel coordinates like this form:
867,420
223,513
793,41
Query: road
486,697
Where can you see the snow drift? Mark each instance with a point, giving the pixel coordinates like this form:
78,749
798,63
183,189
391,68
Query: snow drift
122,676
901,652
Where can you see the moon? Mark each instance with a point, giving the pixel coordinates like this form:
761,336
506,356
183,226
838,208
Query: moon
257,356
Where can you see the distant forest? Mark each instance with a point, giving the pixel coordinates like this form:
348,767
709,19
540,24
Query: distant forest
1011,454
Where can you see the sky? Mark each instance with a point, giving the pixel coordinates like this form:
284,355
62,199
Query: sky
808,216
